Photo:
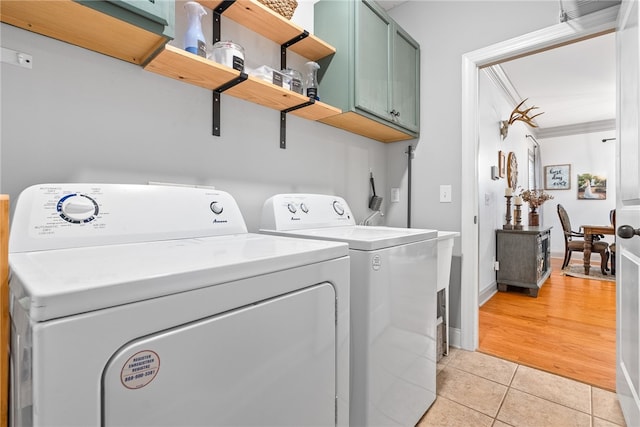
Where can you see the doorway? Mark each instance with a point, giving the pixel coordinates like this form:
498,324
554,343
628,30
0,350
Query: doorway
586,27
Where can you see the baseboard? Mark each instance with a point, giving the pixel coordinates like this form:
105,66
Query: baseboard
486,294
454,338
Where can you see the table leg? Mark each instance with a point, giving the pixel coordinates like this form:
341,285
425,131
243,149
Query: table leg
588,239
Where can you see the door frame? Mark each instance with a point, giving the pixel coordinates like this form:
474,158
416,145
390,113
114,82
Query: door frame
588,26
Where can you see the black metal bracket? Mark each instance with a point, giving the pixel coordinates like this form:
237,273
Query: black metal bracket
216,100
217,20
217,36
283,121
285,45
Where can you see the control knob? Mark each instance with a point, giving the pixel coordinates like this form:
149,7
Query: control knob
337,206
77,208
292,208
216,208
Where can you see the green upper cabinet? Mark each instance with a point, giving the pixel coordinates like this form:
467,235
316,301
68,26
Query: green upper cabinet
373,60
406,80
374,76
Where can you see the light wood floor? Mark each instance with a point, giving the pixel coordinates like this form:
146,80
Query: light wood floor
569,329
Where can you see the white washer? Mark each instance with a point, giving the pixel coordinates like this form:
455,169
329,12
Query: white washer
136,305
393,305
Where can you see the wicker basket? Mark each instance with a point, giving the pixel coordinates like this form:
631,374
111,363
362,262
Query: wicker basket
283,7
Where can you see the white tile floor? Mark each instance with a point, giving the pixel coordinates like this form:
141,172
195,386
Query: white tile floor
475,389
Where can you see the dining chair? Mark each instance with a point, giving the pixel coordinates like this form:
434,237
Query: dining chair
612,246
571,244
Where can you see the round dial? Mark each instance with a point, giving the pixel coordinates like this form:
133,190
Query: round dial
292,208
77,208
216,208
512,171
337,206
304,208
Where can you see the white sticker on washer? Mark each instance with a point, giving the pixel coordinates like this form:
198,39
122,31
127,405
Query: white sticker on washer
376,262
140,369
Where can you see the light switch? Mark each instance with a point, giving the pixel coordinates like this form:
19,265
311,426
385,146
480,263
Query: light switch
445,194
395,195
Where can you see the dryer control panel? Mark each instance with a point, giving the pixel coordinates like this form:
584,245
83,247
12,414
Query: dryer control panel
303,211
58,216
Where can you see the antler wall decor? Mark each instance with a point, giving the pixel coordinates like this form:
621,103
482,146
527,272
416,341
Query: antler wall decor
519,115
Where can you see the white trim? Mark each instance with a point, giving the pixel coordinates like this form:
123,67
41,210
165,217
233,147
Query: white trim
487,294
497,75
588,26
501,80
576,129
454,336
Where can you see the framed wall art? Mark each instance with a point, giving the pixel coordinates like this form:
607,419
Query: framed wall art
557,177
592,187
502,164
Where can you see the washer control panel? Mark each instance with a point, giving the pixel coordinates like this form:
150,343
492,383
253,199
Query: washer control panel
77,208
303,211
57,216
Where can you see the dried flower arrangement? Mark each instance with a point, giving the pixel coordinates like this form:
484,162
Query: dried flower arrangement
535,198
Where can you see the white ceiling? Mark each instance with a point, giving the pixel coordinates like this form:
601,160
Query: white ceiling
574,85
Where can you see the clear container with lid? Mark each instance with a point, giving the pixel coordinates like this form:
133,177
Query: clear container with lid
293,78
228,53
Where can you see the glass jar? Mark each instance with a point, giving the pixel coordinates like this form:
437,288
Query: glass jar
228,53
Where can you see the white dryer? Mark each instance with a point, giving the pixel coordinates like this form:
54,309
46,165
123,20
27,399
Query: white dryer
393,305
136,305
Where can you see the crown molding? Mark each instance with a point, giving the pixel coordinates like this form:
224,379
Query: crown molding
576,129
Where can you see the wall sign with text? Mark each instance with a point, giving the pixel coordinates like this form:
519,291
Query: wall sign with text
557,177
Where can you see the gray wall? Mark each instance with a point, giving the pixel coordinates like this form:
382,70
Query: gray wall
81,116
492,207
446,30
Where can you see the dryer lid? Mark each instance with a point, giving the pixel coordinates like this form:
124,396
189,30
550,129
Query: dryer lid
364,238
58,283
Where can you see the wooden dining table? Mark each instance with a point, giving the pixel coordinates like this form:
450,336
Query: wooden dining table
589,231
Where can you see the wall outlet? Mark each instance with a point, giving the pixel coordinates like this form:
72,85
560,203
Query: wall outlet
445,194
496,265
13,57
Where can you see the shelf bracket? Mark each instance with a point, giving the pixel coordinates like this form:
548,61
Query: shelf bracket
285,45
283,121
216,100
217,20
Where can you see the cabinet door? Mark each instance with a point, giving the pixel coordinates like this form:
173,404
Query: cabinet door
151,15
406,80
373,57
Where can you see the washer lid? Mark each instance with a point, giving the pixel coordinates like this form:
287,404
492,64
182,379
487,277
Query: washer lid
59,283
363,238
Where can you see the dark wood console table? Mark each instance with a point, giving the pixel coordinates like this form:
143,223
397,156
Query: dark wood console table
524,258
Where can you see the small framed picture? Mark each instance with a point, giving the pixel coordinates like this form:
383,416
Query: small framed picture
557,177
592,187
502,164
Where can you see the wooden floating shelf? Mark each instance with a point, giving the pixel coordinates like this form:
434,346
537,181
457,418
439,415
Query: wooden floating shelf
82,26
181,65
264,21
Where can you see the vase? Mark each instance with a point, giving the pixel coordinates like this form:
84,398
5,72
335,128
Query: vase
534,217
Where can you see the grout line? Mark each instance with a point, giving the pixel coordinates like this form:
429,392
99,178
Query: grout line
508,387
